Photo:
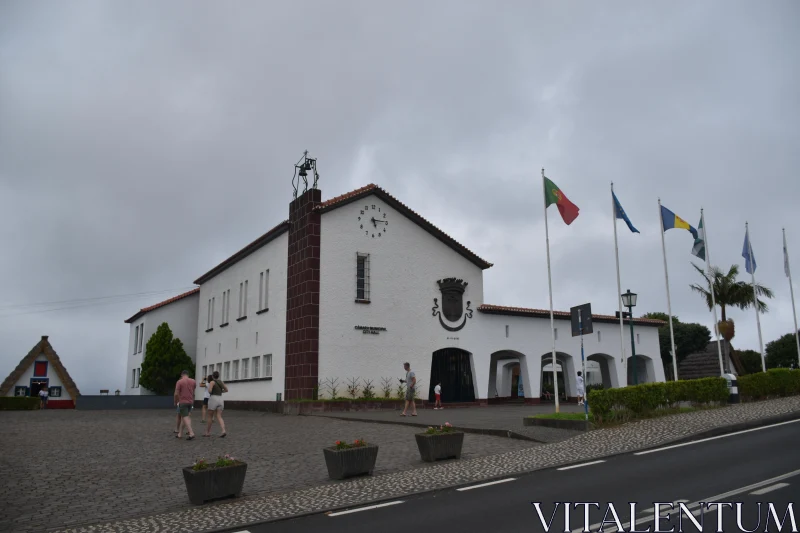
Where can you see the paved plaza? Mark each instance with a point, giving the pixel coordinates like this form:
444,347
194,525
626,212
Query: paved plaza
64,468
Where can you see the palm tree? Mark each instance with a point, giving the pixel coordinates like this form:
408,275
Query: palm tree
728,292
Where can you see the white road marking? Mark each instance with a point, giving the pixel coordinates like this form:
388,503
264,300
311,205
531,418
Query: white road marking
694,507
487,484
715,438
369,508
769,489
580,465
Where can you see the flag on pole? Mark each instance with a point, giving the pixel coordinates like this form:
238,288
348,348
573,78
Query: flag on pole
785,258
672,221
749,257
620,213
553,195
699,248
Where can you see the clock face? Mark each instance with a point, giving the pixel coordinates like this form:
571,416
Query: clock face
372,221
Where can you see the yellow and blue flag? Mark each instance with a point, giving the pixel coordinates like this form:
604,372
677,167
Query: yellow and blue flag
620,213
672,221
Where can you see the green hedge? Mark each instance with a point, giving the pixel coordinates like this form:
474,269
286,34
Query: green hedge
773,383
19,403
639,401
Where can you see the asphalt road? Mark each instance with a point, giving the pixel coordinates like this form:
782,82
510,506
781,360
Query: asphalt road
750,467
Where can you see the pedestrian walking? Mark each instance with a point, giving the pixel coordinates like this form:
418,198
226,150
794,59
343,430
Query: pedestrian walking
216,404
184,400
437,390
43,393
411,382
206,396
581,389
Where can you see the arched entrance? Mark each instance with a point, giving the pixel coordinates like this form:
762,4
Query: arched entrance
608,371
565,370
644,369
508,376
451,367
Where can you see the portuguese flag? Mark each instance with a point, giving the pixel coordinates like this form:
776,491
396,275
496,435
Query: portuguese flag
553,195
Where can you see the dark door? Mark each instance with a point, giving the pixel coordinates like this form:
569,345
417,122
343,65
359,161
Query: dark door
37,385
451,368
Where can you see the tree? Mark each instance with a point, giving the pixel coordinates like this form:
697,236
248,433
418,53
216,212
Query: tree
689,338
751,361
164,362
728,292
782,352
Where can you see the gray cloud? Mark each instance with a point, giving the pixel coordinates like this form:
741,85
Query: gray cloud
140,144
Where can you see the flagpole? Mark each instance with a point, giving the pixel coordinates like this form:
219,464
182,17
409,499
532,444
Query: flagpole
755,295
791,290
669,304
550,286
711,287
619,287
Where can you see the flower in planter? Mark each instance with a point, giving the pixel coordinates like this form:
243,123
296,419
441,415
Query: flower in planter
446,428
200,464
358,443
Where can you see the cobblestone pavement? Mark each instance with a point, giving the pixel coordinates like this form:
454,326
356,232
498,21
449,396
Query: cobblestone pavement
506,418
592,445
63,468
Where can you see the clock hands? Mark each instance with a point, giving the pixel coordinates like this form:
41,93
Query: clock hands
375,222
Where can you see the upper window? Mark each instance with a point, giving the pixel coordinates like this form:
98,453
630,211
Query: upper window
141,336
136,341
243,299
362,277
263,290
40,369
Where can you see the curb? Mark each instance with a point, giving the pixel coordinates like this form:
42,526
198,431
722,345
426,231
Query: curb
714,432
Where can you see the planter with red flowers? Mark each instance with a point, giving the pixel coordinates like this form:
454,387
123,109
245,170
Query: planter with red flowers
443,442
350,459
213,480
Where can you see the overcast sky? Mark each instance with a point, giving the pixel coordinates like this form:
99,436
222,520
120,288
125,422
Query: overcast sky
142,143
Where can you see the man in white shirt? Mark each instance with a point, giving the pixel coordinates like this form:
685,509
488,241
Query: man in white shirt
411,383
437,390
581,389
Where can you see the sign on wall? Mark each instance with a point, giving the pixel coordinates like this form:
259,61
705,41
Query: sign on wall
370,330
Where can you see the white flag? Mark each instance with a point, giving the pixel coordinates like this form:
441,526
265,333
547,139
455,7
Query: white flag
785,257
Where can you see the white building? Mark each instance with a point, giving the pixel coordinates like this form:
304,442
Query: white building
180,313
353,287
42,368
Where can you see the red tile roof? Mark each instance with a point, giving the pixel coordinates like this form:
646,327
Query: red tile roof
244,252
357,194
162,304
561,315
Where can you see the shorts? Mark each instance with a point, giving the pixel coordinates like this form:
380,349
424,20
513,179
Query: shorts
410,394
438,397
184,409
216,403
205,401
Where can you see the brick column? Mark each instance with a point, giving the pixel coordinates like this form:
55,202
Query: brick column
302,297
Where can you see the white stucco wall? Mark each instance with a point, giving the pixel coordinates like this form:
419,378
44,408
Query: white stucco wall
182,319
405,263
52,379
258,334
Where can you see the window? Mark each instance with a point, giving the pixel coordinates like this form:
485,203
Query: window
506,330
55,392
637,339
227,305
555,333
141,336
219,367
20,391
213,308
205,373
40,369
219,347
263,291
241,299
256,337
362,277
133,379
256,361
210,317
237,343
236,370
227,373
598,336
245,365
136,340
268,365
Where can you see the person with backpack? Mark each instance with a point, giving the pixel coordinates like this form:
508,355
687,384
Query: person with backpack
215,403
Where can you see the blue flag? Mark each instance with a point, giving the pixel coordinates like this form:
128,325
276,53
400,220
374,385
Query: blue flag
749,256
621,214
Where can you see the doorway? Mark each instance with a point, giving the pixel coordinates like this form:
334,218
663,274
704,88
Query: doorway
37,384
451,367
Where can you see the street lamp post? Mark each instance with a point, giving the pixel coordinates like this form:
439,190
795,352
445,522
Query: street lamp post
629,301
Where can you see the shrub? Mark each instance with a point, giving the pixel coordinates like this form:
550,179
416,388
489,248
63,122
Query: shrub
642,400
368,390
19,403
774,383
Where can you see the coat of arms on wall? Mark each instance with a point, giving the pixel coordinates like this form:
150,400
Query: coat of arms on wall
453,308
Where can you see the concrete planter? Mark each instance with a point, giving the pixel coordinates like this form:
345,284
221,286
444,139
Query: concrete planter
441,446
577,425
214,483
350,461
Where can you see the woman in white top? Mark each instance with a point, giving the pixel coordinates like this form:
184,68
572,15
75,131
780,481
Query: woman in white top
206,396
43,393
